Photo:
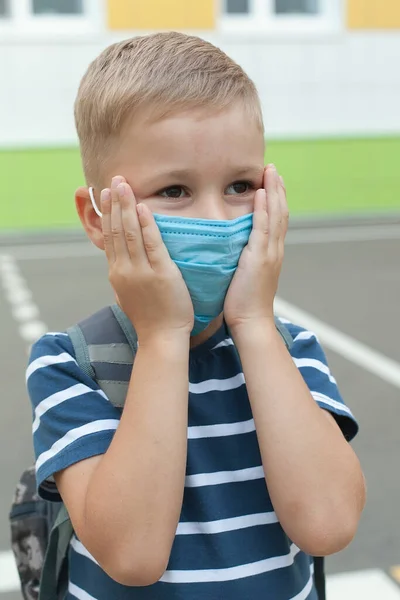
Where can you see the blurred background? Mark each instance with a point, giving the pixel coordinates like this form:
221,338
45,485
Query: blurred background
329,79
327,72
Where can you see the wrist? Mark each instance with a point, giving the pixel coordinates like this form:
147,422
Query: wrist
165,340
255,332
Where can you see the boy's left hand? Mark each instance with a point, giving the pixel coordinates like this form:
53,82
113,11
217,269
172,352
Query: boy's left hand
250,297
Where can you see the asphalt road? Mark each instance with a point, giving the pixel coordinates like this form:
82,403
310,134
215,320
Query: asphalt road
354,286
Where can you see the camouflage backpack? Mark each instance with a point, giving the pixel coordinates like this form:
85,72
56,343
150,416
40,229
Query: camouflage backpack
105,345
31,521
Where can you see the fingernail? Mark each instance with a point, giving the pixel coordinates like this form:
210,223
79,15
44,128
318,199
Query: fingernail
139,208
121,189
116,181
272,167
282,180
105,195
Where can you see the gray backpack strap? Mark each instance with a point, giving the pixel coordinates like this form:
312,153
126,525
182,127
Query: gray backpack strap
81,350
126,327
105,346
54,579
284,333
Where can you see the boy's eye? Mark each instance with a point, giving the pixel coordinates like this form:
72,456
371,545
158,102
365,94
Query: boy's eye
175,191
239,187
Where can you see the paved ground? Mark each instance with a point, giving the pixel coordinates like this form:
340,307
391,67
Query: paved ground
354,286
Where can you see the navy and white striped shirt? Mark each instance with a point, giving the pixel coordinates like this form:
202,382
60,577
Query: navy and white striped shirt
229,543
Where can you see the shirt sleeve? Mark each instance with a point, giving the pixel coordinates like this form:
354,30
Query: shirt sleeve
311,361
72,417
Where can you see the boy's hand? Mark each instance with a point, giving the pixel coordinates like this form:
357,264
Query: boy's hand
250,297
148,284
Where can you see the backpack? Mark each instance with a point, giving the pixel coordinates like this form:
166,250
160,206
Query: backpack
105,345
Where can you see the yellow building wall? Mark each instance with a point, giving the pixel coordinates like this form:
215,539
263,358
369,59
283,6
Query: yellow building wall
161,14
373,14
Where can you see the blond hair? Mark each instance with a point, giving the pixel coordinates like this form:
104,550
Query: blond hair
164,72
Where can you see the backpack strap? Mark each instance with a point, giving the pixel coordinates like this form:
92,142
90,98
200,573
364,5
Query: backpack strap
284,333
319,577
105,346
53,585
126,327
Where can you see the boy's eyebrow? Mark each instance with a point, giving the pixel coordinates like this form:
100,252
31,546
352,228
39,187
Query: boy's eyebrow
249,171
177,173
252,171
161,177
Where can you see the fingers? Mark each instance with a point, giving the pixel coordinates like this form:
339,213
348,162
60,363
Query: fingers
130,231
284,207
271,215
259,234
105,203
117,230
156,251
130,224
274,209
121,230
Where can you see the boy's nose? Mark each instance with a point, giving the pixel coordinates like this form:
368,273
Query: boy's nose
213,208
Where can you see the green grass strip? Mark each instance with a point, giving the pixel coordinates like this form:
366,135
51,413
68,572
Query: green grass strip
323,178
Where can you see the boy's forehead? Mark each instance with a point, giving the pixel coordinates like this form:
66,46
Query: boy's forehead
181,140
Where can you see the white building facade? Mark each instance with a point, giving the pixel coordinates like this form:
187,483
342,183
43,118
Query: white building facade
324,68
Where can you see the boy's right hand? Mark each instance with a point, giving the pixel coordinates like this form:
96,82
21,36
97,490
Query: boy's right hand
149,286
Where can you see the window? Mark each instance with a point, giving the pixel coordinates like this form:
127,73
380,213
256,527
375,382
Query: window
57,7
284,7
237,7
281,16
52,18
4,9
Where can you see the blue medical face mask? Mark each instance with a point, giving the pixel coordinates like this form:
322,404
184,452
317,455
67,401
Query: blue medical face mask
207,254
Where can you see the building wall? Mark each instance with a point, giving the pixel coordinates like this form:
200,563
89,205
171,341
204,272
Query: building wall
154,14
340,81
373,14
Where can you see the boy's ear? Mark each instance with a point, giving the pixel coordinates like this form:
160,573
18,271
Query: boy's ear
90,220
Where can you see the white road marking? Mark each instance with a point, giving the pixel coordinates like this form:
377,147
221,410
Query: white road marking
317,235
360,354
9,580
364,585
23,308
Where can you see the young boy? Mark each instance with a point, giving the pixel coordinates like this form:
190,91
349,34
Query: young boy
229,466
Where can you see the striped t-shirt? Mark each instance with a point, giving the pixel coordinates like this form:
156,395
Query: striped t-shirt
229,543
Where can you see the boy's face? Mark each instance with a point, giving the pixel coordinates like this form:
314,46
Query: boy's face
194,164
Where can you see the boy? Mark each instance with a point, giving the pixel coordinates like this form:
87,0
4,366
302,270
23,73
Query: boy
229,466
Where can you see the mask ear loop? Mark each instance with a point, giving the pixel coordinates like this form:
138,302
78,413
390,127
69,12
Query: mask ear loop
93,201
